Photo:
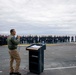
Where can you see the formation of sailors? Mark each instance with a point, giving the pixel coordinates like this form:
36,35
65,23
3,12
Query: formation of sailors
46,39
38,39
3,40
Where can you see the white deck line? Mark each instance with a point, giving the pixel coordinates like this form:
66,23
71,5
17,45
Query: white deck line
70,67
0,71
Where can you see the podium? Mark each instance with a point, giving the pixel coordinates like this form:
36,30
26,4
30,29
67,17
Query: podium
36,58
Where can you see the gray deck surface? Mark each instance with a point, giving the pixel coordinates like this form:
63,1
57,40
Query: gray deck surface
60,59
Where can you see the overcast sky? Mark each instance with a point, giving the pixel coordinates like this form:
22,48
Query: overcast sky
38,17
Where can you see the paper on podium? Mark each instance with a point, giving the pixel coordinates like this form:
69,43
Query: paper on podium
34,47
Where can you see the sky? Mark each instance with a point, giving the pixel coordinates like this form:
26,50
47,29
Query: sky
38,17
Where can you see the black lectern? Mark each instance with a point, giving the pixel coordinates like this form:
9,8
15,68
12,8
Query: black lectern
36,58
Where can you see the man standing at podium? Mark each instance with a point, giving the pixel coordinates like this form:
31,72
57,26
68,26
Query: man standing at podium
14,55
